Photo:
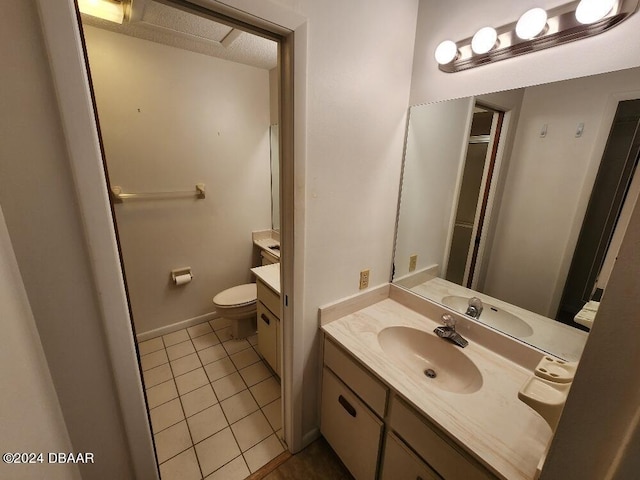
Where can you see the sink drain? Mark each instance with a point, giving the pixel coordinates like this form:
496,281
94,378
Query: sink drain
430,373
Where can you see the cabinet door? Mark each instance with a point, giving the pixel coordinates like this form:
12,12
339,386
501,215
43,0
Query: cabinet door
268,297
351,429
365,385
435,448
267,335
399,463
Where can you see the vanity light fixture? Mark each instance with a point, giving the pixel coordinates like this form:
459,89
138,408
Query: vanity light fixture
590,11
536,29
111,10
484,40
532,23
446,52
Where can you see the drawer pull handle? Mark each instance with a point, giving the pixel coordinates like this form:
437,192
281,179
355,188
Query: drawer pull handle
265,318
347,406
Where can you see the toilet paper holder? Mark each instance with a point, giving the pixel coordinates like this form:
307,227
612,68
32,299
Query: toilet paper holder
180,276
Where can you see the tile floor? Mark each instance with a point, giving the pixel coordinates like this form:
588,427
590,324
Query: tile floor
214,404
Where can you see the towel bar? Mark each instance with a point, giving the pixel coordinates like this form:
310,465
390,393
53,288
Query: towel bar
119,196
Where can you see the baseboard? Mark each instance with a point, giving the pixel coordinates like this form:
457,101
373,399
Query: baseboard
416,278
346,306
190,322
310,437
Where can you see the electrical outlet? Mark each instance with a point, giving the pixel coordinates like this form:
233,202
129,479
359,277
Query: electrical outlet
413,261
364,279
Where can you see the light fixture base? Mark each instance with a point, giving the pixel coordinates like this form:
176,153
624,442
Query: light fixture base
562,27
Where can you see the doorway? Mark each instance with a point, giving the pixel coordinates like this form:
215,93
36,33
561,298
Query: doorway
473,199
610,191
178,202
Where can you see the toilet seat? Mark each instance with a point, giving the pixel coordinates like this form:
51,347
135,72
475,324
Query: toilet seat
238,296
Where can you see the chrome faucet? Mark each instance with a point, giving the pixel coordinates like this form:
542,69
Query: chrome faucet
449,331
475,307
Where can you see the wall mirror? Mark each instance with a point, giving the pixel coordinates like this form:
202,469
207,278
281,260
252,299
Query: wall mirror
520,198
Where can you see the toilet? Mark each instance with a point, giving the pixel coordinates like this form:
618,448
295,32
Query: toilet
238,304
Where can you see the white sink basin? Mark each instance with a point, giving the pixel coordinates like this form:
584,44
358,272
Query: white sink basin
493,316
422,354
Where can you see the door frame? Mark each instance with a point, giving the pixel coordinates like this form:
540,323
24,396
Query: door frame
60,24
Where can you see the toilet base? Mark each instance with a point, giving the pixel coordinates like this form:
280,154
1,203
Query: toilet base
243,328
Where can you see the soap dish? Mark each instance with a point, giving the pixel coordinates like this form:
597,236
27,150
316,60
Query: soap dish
545,397
556,370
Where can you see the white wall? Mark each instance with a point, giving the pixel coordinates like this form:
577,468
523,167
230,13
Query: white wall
358,69
40,207
359,58
170,119
30,416
547,188
598,433
436,143
438,20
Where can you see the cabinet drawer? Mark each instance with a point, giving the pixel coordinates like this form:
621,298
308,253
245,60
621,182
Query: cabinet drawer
366,386
400,463
351,429
267,335
268,297
442,456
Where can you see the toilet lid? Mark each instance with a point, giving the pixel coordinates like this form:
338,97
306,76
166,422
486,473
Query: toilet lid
240,295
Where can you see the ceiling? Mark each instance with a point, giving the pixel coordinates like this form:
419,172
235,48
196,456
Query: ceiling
150,20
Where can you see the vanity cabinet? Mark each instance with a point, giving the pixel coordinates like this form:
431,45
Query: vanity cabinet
358,410
350,427
269,331
432,445
400,463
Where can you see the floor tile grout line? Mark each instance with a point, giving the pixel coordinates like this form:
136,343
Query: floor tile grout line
262,409
227,418
214,334
202,334
180,452
169,426
182,356
222,466
193,445
186,422
219,402
166,401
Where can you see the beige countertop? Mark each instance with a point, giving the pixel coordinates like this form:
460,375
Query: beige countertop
500,431
270,276
265,239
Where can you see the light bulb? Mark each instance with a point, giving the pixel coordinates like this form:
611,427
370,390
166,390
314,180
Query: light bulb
531,24
446,52
484,40
106,9
590,11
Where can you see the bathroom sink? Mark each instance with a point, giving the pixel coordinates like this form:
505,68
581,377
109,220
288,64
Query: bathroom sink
493,316
430,359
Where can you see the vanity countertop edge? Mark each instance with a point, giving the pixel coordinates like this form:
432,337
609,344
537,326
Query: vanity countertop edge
270,276
492,424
